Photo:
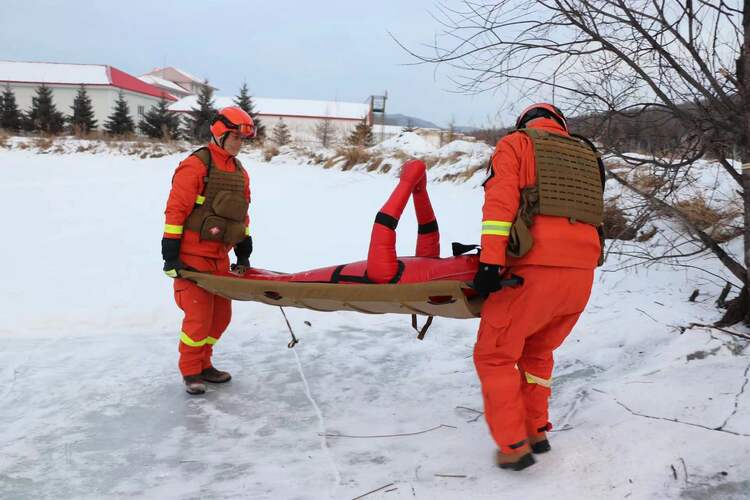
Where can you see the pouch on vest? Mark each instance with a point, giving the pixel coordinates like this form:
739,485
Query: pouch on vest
230,205
520,239
213,228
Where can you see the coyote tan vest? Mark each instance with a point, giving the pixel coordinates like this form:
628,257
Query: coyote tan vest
220,213
569,184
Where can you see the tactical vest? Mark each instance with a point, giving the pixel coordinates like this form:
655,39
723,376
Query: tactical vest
570,184
220,211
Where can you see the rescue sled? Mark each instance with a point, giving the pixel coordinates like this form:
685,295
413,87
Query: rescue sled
424,284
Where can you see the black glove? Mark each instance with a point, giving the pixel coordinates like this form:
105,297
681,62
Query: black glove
242,250
170,252
487,279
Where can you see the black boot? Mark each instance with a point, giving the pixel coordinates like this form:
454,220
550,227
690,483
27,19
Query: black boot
194,384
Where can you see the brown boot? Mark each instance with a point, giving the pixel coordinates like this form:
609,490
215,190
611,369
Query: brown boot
194,384
215,376
517,459
539,443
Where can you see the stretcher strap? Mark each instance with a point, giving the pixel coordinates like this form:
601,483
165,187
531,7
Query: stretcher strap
421,332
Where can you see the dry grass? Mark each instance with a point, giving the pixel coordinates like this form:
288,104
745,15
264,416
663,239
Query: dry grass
85,148
386,168
269,152
402,156
353,155
374,163
716,221
463,175
430,161
42,142
4,142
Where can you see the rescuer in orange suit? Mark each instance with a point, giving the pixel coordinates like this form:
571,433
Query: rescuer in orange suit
555,248
206,216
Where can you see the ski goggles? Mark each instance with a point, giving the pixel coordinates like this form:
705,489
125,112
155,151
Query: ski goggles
246,130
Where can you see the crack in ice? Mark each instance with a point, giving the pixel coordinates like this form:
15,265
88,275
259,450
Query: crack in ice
321,422
737,398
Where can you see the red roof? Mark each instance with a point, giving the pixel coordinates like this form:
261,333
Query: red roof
125,81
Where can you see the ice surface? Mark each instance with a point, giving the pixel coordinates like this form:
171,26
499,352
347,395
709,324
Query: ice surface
92,405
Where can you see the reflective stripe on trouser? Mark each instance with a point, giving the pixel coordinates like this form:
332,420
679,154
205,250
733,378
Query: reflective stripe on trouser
520,328
206,317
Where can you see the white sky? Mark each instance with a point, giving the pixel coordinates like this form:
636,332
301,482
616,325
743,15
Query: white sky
328,49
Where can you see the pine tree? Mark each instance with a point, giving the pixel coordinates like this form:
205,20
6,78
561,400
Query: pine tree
44,115
281,135
160,123
82,121
361,135
245,101
120,122
197,127
10,117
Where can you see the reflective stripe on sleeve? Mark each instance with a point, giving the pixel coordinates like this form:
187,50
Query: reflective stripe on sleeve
247,230
172,229
200,200
533,379
496,227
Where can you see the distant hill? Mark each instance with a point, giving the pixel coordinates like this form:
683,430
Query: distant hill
405,121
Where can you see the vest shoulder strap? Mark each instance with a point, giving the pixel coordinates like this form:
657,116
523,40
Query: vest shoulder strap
238,164
204,155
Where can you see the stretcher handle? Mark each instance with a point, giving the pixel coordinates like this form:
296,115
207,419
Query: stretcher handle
513,281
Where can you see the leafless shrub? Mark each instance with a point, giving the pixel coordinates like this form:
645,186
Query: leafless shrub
648,180
668,78
616,224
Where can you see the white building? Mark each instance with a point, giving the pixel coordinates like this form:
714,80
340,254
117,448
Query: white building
302,116
103,83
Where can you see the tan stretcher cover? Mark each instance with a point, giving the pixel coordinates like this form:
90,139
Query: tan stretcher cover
408,298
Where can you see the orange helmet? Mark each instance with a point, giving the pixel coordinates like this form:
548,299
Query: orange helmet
233,119
541,110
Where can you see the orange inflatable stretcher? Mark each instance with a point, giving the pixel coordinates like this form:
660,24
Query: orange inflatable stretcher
424,284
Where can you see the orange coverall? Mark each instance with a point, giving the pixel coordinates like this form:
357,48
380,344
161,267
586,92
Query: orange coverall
206,315
520,327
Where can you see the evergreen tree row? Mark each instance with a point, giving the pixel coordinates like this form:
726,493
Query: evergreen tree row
158,122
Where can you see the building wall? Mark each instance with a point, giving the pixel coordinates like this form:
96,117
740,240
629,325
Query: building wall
102,99
303,129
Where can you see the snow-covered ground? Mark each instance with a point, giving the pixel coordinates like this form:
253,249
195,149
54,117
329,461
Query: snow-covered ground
92,405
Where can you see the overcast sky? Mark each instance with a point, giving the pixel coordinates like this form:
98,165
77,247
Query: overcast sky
325,49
